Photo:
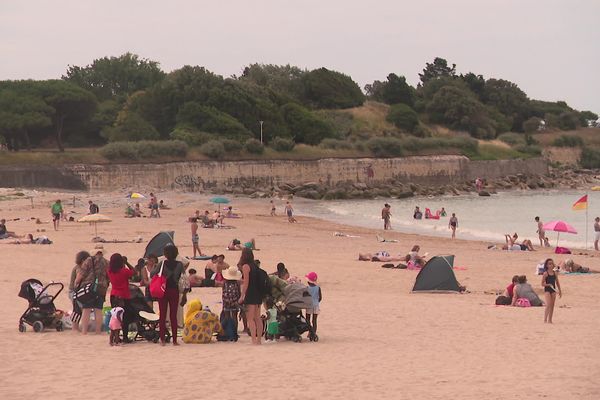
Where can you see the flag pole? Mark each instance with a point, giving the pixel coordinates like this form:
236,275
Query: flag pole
586,221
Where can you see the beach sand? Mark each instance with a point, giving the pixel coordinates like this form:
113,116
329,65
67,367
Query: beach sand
376,338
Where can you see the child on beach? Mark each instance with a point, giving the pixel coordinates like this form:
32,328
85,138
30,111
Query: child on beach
289,210
317,297
271,319
272,208
550,284
115,325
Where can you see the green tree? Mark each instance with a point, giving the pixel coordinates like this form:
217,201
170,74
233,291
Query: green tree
305,126
396,90
211,120
285,80
475,82
531,125
585,116
71,104
111,77
330,89
130,127
437,69
508,99
19,114
403,117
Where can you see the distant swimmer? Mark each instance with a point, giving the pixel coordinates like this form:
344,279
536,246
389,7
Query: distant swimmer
453,224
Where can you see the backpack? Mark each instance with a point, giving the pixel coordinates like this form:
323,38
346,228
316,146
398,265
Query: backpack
264,283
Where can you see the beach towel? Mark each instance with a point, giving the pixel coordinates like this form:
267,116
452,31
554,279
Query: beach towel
523,302
562,250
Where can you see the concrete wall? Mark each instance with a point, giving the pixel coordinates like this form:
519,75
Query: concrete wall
199,175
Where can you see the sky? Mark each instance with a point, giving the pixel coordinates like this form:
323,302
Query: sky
547,47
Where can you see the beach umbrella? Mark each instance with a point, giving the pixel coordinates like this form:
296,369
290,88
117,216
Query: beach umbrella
157,244
95,219
219,200
136,195
559,226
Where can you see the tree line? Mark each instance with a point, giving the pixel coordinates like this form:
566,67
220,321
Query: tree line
128,98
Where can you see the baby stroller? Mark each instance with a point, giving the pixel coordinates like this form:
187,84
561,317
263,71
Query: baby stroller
292,324
146,320
41,312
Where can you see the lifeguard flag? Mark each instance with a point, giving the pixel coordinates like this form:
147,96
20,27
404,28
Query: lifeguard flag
581,204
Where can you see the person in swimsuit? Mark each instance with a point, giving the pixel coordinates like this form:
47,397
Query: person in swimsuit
550,284
596,232
386,216
453,224
540,231
289,210
195,237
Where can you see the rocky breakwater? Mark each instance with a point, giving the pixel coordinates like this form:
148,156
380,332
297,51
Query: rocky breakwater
394,188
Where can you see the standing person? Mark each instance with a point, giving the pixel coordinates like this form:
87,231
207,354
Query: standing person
550,284
171,270
596,232
93,269
540,231
251,293
94,209
115,324
386,216
453,224
230,297
154,212
317,297
76,314
119,274
149,266
478,184
56,210
272,208
289,210
195,237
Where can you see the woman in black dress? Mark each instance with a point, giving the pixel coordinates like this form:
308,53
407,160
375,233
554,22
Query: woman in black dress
251,296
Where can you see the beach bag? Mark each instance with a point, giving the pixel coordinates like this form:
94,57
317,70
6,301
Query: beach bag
158,284
503,301
523,302
88,292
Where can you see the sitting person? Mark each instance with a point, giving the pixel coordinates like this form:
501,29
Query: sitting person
195,279
4,232
512,244
217,218
129,211
163,206
413,258
282,272
200,325
523,290
137,211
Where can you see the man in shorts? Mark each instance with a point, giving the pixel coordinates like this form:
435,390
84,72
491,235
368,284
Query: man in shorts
56,211
386,215
596,232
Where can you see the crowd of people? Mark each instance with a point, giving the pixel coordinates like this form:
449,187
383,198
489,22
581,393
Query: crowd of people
247,290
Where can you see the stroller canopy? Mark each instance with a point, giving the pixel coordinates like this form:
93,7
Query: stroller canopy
158,243
437,276
297,297
27,291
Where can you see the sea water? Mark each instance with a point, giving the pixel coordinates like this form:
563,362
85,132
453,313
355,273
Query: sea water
479,218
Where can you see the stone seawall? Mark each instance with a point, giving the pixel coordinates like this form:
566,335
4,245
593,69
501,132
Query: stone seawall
206,175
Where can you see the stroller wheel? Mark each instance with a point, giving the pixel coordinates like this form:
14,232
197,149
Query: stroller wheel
296,339
38,326
315,338
155,340
59,326
22,327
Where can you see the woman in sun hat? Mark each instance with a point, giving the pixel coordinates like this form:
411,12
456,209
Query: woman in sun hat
231,295
317,297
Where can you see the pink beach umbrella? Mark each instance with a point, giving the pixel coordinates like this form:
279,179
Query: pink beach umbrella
559,226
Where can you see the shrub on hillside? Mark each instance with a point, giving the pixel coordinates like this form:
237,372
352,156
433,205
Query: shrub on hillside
511,138
568,141
282,144
403,117
590,158
529,149
385,147
335,144
531,125
130,127
213,149
144,150
232,146
254,146
190,136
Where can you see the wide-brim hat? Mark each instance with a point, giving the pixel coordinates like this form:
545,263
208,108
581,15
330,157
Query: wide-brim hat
311,277
232,274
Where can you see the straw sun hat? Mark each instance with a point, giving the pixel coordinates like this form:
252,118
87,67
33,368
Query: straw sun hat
232,274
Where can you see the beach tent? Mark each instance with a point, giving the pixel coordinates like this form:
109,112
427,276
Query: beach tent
158,243
437,276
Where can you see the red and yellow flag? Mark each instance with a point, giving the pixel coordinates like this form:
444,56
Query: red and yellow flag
581,204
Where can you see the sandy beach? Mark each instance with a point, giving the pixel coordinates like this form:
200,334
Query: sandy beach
376,338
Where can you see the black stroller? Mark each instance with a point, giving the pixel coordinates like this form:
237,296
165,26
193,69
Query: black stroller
41,312
146,320
292,324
